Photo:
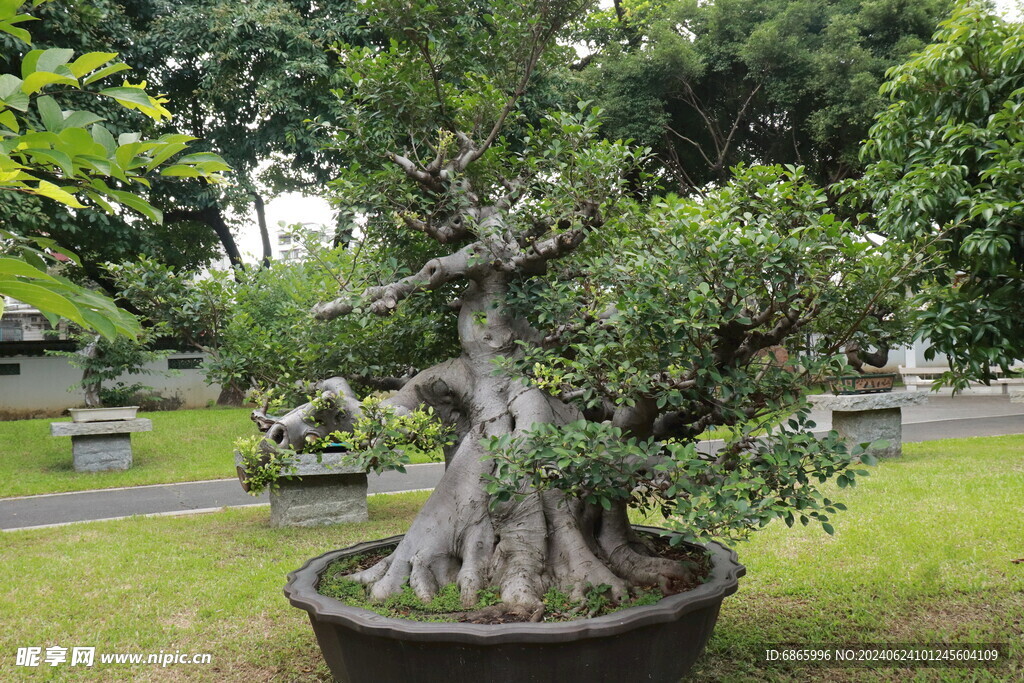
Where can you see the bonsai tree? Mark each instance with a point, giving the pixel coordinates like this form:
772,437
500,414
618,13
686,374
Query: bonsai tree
105,360
602,329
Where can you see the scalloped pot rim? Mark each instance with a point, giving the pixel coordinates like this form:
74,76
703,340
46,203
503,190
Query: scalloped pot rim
301,591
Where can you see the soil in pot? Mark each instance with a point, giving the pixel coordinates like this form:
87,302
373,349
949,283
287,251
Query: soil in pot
558,605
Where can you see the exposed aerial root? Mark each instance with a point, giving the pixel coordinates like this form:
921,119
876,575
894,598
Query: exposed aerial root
523,546
477,548
571,561
639,568
519,555
372,574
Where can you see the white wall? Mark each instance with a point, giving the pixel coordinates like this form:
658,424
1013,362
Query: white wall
42,385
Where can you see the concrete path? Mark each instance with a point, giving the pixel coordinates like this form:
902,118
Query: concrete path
941,418
172,499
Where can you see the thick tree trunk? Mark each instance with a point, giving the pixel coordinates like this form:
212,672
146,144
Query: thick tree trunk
231,395
211,216
524,546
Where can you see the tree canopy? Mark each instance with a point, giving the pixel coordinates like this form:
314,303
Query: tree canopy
600,330
249,82
708,85
52,147
946,172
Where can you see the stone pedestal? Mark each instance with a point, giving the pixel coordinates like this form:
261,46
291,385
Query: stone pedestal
324,493
101,446
862,418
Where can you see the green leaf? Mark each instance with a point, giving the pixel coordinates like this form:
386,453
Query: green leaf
43,298
19,33
90,62
9,84
8,119
81,119
179,171
103,137
51,114
199,157
55,157
138,204
29,61
100,201
12,266
17,100
48,189
126,154
40,79
106,71
133,96
164,154
100,323
52,59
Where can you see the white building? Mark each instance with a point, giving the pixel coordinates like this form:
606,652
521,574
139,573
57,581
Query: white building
21,322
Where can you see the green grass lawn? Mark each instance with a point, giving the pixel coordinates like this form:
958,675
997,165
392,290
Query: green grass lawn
924,555
185,445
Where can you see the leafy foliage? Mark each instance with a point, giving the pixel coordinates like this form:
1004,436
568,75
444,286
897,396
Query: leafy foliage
251,81
946,173
378,442
263,471
657,317
68,156
696,294
379,438
712,84
257,330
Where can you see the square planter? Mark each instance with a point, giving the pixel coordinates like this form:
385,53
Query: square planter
103,414
317,492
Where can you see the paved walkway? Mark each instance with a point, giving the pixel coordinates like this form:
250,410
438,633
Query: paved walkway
941,418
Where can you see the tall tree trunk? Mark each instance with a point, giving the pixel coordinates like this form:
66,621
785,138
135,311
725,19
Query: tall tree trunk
261,220
231,395
215,219
210,215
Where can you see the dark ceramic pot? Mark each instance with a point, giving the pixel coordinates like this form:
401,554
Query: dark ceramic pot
657,642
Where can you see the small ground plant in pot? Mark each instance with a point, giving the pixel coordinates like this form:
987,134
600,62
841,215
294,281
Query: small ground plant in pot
598,327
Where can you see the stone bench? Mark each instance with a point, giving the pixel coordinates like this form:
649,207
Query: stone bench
864,418
101,446
317,493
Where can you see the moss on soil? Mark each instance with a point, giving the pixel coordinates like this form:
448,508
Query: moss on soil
446,606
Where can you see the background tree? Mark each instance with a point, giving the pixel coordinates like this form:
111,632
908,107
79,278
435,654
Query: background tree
708,85
946,171
598,336
249,81
257,334
53,150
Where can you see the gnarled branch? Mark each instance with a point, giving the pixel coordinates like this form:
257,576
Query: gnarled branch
383,299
